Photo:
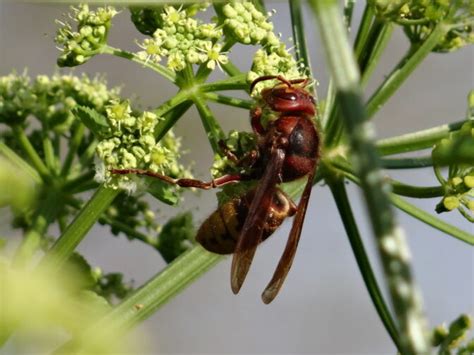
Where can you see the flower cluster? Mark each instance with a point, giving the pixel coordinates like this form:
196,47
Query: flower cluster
239,143
451,338
88,39
184,40
133,212
459,188
246,24
419,17
50,99
131,144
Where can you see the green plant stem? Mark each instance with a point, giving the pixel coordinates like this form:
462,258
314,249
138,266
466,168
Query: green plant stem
167,106
431,220
363,31
231,69
390,239
30,151
49,154
416,140
373,45
213,130
338,190
77,230
406,66
170,119
14,158
142,303
160,69
74,142
400,188
412,210
407,163
131,233
86,157
381,40
238,82
228,100
299,35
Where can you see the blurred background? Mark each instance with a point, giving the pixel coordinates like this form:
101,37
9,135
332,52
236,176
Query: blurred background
324,307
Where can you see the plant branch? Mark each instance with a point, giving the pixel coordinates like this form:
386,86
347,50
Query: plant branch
400,188
160,69
30,151
238,82
299,36
390,239
431,220
228,100
406,66
338,190
416,140
74,143
213,130
407,163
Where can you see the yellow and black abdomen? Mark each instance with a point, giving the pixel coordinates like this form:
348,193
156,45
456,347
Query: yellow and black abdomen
219,233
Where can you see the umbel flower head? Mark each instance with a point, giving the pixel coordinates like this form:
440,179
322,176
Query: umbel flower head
50,99
92,29
183,40
131,144
459,187
419,18
246,24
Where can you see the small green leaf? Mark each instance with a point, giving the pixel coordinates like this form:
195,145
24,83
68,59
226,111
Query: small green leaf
93,120
83,274
162,191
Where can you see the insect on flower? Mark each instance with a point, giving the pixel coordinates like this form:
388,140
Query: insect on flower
288,148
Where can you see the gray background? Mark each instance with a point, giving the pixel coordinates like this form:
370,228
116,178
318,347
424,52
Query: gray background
324,307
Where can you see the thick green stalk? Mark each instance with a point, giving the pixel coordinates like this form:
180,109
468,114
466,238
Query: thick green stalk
392,247
77,230
403,70
338,190
416,140
154,294
431,220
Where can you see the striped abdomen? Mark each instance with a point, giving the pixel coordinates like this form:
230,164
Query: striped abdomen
220,231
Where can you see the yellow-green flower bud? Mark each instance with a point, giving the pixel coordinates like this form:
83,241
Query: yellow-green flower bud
451,203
